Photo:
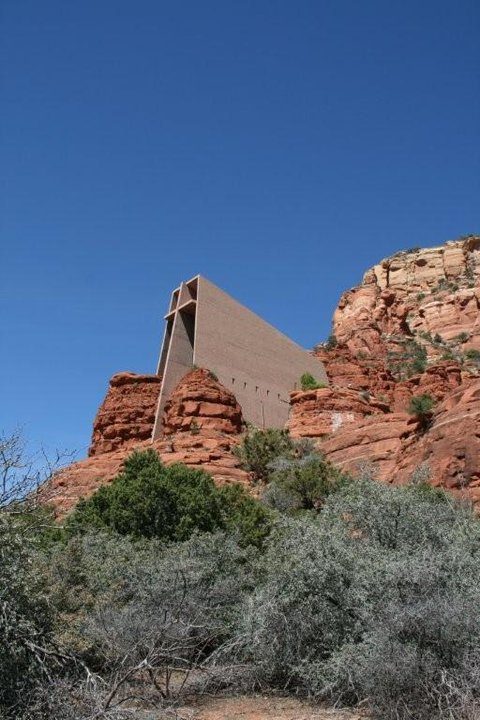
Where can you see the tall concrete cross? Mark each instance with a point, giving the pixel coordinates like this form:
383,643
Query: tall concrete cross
207,328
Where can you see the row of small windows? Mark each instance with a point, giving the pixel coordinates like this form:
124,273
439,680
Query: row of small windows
256,388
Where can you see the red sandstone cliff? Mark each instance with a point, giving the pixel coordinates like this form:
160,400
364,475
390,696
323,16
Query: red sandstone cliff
411,327
428,297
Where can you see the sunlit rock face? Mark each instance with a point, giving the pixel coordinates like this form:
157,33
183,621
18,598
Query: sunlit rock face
412,327
127,414
435,291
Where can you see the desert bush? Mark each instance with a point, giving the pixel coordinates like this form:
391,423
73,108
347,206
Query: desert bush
472,354
243,516
148,499
29,655
23,471
60,699
412,360
261,447
421,406
308,382
147,610
302,483
332,342
26,620
421,475
448,354
375,598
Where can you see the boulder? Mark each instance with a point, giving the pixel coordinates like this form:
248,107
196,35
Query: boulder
127,414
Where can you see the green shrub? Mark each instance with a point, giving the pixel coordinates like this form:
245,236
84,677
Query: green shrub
308,382
150,500
472,354
412,360
244,516
444,284
332,342
260,447
470,274
421,406
447,355
302,483
418,363
194,427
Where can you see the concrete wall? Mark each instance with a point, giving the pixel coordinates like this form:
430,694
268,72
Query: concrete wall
176,355
251,358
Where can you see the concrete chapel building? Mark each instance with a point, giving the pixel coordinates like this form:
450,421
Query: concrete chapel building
205,327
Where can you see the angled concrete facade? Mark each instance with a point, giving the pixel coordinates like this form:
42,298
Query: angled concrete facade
208,328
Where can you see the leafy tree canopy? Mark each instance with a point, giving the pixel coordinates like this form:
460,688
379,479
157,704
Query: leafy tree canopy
148,499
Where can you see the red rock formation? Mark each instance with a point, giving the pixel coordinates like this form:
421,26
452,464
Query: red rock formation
199,402
203,422
319,413
346,370
450,449
394,444
428,296
376,441
426,299
127,414
437,381
210,451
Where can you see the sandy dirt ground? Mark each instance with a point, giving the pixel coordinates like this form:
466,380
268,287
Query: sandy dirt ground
259,708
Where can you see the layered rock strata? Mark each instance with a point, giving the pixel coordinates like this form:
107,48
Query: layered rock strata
202,421
397,447
127,414
429,296
411,328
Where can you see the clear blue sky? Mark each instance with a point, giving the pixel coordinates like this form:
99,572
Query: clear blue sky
279,148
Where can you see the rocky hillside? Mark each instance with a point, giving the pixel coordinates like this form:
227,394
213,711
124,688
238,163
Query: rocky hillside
412,327
202,422
415,308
